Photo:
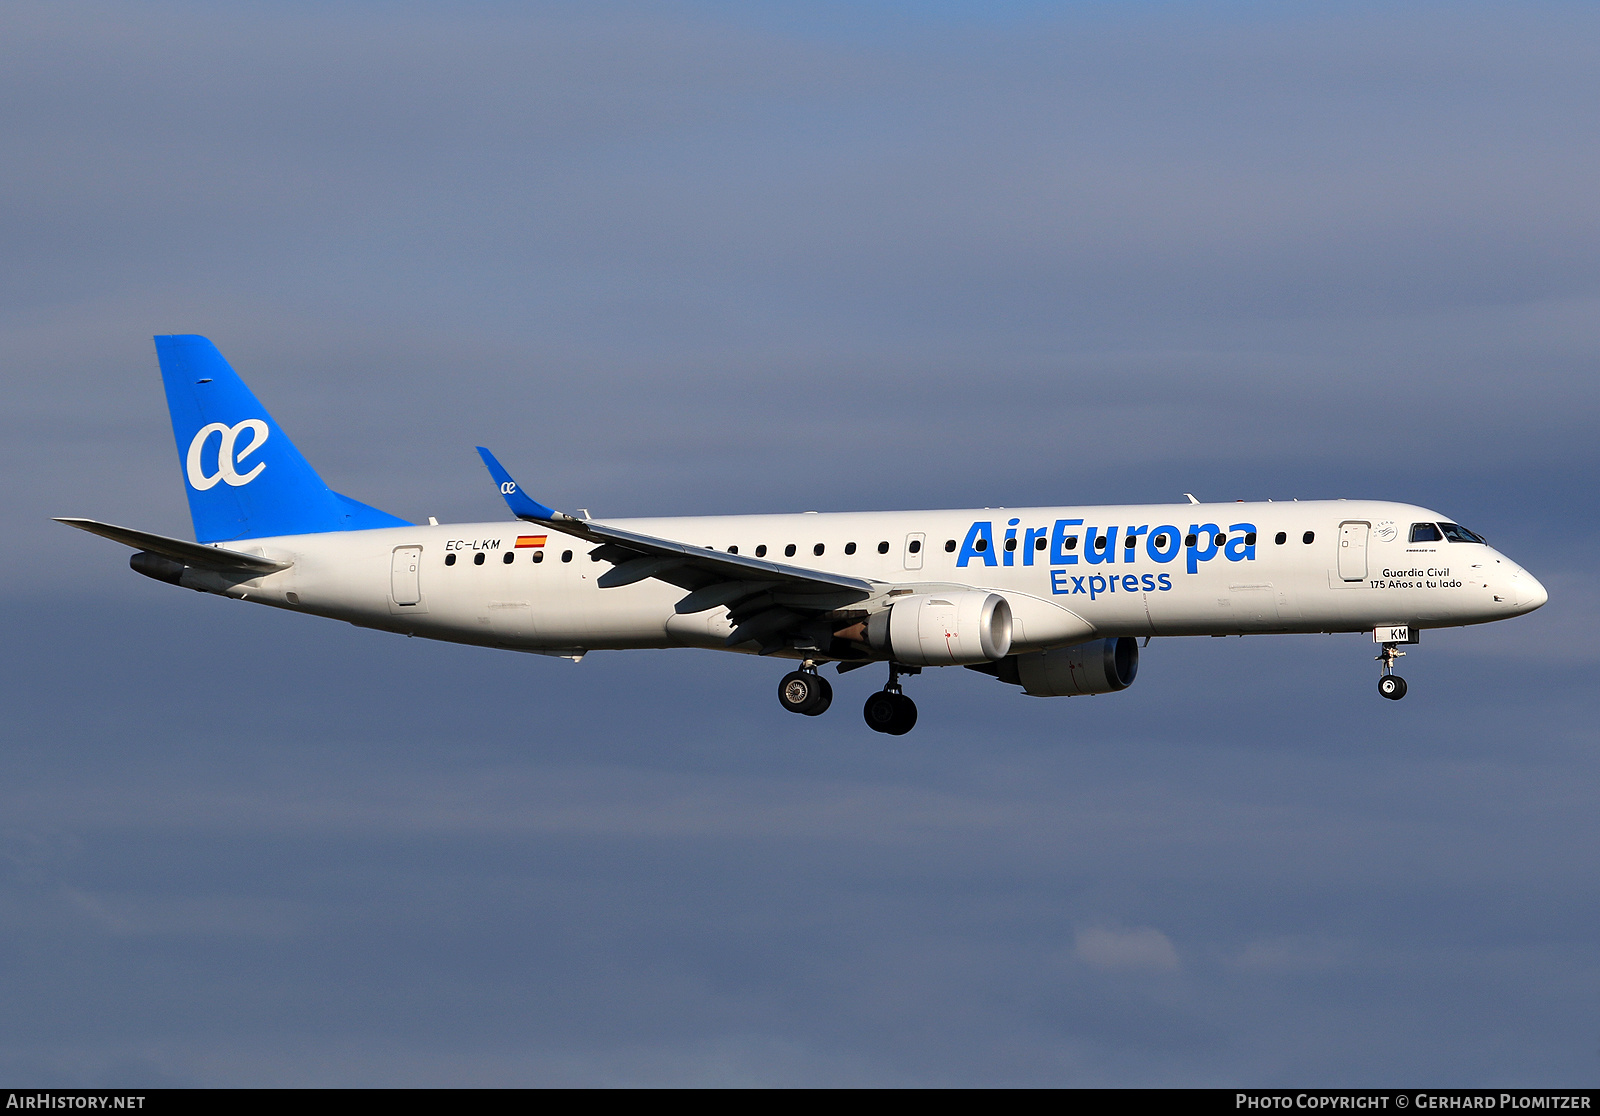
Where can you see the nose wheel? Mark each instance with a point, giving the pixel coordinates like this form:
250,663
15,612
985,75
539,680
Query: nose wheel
890,711
805,691
1391,685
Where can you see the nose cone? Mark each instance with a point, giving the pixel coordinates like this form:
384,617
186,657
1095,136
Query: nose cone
1516,590
1530,594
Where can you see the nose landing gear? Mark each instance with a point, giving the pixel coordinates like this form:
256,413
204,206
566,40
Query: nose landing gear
805,691
1391,685
890,711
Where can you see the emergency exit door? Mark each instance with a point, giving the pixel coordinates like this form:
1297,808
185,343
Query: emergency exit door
1353,551
913,551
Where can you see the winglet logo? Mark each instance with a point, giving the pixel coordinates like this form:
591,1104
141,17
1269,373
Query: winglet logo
228,454
508,487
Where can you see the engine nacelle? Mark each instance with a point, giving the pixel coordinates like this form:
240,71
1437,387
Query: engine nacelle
157,566
943,629
1101,666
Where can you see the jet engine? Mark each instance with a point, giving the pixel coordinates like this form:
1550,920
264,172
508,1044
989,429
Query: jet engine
1101,666
156,566
942,629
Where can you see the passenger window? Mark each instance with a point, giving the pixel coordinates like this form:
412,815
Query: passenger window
788,551
1309,537
849,548
916,545
1100,543
1072,542
566,555
449,559
1457,533
1280,538
1250,538
1425,532
1190,540
1220,539
981,545
1130,542
477,559
949,546
1160,541
817,550
883,548
538,556
1011,544
761,551
733,550
1038,544
508,557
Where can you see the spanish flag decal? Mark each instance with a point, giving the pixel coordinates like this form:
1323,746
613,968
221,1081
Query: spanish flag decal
530,540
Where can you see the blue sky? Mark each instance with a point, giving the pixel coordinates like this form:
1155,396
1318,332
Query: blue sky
689,259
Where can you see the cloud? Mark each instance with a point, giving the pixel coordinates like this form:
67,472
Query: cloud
1141,949
1274,956
143,915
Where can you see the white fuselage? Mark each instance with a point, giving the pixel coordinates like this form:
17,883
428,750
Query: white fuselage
1358,570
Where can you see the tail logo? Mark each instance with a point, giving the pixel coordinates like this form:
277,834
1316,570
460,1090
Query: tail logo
228,454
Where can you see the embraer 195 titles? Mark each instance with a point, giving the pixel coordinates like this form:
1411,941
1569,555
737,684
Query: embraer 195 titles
1051,600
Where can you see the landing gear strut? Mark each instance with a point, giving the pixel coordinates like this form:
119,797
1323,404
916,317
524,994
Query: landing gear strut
805,691
1391,685
889,710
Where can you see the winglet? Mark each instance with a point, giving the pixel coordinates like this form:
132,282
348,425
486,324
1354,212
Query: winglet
521,504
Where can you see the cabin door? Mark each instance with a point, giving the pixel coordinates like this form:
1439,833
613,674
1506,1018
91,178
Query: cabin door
404,576
1353,551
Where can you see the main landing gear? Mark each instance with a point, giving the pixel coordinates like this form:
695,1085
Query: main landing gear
889,710
805,691
1391,685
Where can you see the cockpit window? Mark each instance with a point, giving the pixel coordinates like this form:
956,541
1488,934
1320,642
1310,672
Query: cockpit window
1424,532
1457,533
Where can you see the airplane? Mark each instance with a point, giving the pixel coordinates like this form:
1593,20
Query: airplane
1050,600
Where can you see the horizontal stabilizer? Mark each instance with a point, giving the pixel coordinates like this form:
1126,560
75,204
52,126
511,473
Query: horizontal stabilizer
179,550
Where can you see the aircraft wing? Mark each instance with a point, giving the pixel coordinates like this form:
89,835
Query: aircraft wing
767,601
180,550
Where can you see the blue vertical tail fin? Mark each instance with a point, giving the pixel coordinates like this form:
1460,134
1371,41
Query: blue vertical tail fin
244,478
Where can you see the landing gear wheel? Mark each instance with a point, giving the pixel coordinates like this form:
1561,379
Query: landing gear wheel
891,713
880,710
801,691
1392,686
